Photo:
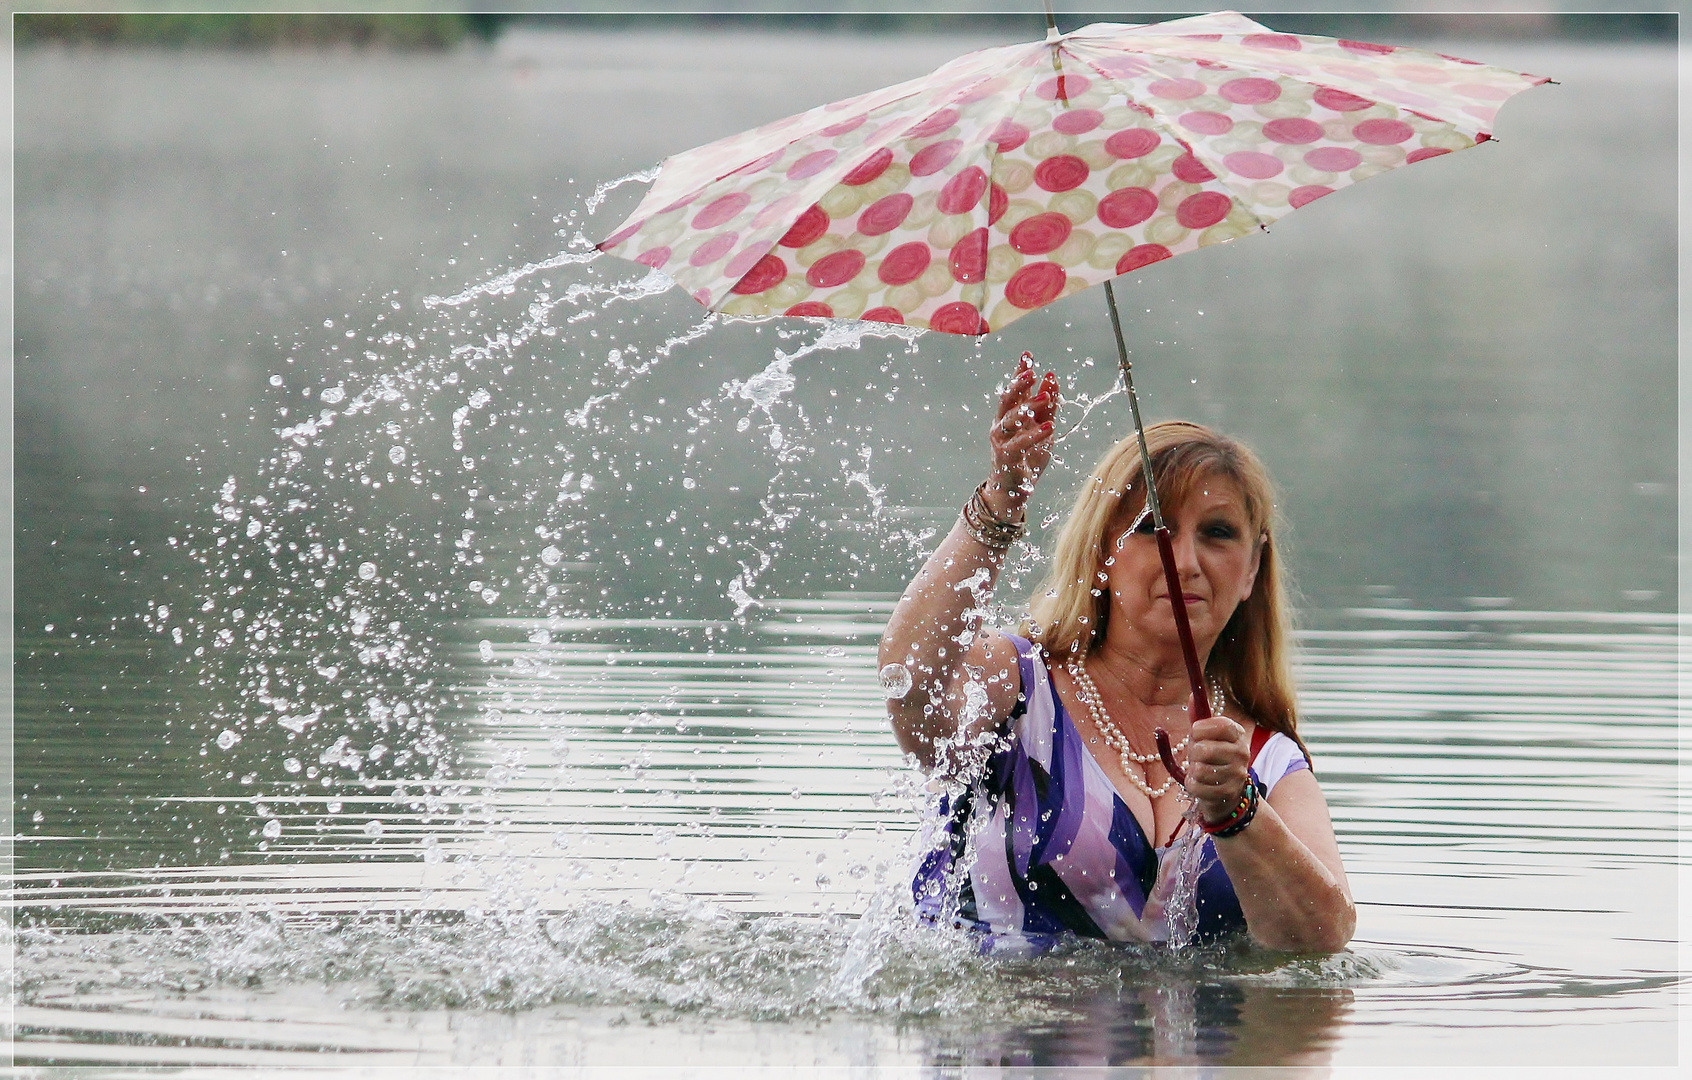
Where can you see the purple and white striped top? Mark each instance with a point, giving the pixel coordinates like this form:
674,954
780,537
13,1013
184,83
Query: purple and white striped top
1059,851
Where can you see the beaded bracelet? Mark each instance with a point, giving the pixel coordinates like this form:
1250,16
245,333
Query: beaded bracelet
1236,822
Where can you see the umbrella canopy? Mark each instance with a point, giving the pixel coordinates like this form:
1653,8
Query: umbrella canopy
1014,176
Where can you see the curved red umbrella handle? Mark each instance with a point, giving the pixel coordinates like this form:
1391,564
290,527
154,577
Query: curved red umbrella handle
1167,754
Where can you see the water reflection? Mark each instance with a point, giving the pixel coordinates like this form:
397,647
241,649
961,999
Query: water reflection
1170,1024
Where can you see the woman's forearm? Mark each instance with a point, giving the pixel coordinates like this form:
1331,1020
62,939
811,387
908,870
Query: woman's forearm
933,627
1291,899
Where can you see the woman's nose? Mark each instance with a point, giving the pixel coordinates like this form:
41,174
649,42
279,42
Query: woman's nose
1186,552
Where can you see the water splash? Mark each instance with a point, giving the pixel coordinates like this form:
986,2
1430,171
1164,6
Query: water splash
604,189
896,681
506,283
1171,911
503,453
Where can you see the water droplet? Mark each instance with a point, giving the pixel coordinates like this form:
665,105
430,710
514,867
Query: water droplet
291,764
835,650
276,380
551,556
226,739
895,681
373,827
332,396
367,570
397,455
486,649
272,829
254,526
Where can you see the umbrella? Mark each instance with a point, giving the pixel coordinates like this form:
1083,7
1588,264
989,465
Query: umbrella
1014,176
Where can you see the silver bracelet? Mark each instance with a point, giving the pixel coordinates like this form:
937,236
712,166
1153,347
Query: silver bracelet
987,529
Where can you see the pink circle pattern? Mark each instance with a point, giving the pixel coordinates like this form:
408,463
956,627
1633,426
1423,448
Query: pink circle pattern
964,200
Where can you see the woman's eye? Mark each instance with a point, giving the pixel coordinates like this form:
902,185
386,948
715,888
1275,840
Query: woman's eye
1146,527
1221,532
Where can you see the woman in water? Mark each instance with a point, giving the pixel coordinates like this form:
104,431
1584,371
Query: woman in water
1062,808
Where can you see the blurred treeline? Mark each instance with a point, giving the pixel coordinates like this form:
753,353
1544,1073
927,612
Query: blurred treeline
444,30
382,31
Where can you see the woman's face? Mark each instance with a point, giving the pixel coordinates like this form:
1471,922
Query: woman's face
1216,552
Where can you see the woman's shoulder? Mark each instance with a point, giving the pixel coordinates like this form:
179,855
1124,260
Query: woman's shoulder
1274,756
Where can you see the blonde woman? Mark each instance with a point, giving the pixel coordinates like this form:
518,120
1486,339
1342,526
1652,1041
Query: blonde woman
1063,805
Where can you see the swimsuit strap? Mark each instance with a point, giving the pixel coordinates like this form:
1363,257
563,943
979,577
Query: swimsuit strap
1260,736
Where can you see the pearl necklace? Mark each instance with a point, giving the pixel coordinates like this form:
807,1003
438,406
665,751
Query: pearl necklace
1113,737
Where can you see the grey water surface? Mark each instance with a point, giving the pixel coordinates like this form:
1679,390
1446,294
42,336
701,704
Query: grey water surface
436,646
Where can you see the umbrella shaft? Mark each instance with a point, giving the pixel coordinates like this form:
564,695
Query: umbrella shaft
1183,629
1165,546
1127,370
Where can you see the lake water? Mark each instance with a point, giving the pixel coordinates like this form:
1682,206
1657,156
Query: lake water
436,647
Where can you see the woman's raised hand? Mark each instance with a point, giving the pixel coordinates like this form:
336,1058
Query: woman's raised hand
1021,439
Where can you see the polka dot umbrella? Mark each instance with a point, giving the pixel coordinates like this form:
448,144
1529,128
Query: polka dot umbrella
1014,176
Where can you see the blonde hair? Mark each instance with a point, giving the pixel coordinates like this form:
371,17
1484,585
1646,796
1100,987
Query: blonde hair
1070,610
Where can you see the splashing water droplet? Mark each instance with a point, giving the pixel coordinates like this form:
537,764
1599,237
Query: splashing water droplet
272,829
276,380
551,556
226,739
895,681
333,396
367,570
397,455
291,764
486,649
373,827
